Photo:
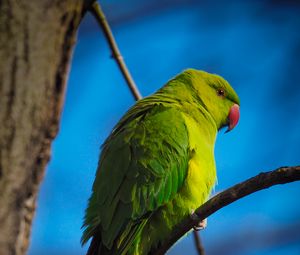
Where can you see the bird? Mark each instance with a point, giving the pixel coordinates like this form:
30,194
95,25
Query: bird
157,165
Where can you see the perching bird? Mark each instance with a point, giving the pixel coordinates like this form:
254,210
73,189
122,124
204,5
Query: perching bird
157,166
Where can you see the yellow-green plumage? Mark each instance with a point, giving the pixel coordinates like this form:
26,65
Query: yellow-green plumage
157,166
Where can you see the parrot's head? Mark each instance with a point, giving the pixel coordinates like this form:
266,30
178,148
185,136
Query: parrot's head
216,95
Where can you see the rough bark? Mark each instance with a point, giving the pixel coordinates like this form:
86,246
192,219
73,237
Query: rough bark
36,39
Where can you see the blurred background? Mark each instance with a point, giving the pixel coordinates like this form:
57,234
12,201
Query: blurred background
255,45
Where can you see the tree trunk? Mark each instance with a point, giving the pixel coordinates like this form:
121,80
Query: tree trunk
36,40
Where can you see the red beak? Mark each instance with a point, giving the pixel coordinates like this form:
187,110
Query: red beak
233,117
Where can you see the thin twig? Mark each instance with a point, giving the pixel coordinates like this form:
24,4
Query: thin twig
99,15
198,243
262,181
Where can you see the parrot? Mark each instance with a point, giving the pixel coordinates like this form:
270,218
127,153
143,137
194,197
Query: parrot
157,165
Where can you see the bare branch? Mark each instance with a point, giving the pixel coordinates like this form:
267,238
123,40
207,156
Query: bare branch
198,243
265,180
99,15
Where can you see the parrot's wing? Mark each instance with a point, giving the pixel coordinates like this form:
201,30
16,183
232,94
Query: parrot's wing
142,166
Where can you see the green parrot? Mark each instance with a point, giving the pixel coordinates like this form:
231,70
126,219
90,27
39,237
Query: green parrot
157,165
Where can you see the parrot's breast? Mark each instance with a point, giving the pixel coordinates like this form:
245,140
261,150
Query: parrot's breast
201,174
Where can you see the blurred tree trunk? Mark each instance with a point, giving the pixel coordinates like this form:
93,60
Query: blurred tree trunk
36,40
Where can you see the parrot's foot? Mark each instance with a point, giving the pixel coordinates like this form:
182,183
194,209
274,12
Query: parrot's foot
201,225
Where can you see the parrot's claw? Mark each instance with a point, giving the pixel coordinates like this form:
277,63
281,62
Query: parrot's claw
201,225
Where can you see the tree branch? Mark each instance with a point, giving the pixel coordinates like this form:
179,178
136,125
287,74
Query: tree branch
99,15
262,181
198,243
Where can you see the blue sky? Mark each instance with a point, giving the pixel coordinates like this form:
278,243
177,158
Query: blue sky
255,45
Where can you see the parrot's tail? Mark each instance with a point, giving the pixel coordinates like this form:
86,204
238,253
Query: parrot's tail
95,246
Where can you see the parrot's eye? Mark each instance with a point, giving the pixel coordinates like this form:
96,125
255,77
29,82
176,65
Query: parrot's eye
221,92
